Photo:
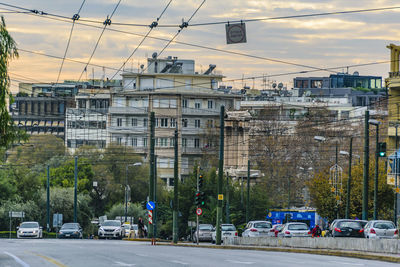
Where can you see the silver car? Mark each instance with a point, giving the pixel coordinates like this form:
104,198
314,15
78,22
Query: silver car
205,231
258,228
295,229
380,229
111,229
227,231
29,229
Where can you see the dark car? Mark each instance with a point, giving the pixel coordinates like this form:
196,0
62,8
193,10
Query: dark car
70,230
348,228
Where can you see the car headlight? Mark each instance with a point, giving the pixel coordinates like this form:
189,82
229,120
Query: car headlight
34,231
101,229
117,230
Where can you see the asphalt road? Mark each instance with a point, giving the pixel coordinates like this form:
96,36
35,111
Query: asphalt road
98,253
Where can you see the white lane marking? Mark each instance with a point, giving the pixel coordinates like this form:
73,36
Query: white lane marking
240,262
348,263
123,264
180,262
18,260
141,255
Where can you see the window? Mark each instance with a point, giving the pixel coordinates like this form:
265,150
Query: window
163,142
134,122
197,105
134,142
164,103
173,123
156,122
164,122
184,142
144,141
172,142
196,143
184,103
197,123
145,122
210,123
184,123
119,140
171,181
119,122
210,104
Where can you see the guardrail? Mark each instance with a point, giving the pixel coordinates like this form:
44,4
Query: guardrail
391,246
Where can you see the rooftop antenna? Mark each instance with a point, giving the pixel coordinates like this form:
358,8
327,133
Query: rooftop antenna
347,70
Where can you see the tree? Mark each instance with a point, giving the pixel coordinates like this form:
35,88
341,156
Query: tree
8,51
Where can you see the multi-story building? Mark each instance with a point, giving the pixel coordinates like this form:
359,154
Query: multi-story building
180,98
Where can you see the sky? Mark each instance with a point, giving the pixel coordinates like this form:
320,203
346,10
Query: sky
320,42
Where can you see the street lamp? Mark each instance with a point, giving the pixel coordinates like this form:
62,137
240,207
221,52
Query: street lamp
127,186
376,123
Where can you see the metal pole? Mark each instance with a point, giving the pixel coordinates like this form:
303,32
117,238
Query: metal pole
248,192
126,192
366,170
155,211
175,211
48,199
227,213
151,182
349,181
197,216
220,174
241,192
336,182
376,174
395,182
288,202
75,189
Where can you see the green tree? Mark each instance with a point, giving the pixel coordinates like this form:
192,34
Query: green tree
8,51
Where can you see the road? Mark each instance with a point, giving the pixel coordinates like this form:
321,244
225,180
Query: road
76,253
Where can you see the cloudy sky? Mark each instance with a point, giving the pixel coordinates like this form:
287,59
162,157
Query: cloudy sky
320,42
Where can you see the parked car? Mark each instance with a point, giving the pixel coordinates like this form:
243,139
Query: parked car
29,229
258,228
205,231
276,229
134,231
381,229
70,230
295,229
331,229
111,229
127,227
347,228
227,230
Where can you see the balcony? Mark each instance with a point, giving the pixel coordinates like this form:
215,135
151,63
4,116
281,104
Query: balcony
128,110
200,112
191,150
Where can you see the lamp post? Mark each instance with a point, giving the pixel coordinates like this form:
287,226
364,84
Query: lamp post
127,186
376,123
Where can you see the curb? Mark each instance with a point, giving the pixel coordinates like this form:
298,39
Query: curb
339,253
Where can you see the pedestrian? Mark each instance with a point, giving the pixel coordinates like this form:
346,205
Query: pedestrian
316,231
140,227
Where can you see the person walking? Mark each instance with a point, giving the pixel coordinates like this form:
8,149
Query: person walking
316,231
140,227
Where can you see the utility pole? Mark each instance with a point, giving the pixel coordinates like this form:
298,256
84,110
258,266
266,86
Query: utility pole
227,212
126,192
75,189
349,181
396,164
197,216
155,197
248,192
376,174
220,174
337,193
48,198
151,182
176,180
366,166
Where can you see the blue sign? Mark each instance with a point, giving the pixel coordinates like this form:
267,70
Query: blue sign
150,205
278,217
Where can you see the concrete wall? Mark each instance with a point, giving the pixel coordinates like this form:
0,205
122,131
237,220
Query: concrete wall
349,244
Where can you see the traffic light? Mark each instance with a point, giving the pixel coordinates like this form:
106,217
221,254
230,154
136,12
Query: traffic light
202,199
197,198
201,180
382,149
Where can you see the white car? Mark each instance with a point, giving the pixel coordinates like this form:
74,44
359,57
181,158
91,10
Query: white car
227,230
258,229
295,229
111,229
380,229
29,229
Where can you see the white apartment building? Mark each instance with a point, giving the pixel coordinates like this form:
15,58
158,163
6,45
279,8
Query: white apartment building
180,98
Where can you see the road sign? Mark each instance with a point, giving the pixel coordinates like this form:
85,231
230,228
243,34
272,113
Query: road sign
150,205
220,197
150,217
16,214
235,33
199,211
191,224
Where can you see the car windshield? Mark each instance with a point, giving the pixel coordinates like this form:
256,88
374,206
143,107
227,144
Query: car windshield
297,227
135,227
29,225
228,228
111,223
384,225
262,225
126,226
205,227
70,226
350,224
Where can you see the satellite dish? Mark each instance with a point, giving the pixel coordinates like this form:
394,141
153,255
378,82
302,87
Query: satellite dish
280,85
142,66
154,55
274,85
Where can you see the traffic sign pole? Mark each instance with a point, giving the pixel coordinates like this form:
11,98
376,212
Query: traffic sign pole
197,216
